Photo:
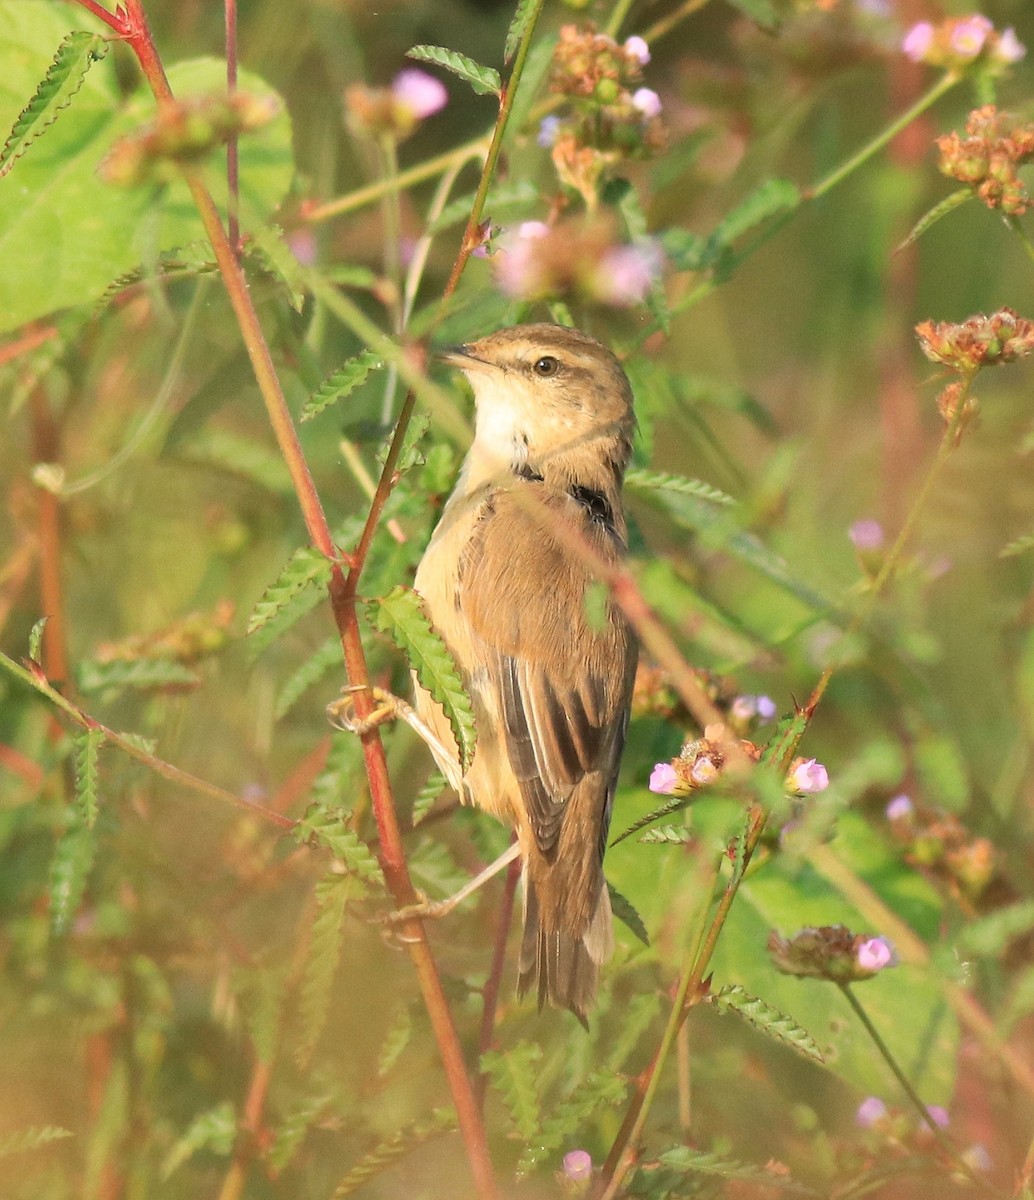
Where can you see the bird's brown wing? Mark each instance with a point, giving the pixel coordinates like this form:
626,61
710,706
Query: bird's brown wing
564,683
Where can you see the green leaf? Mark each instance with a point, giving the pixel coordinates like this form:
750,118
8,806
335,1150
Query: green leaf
31,1139
668,835
64,234
1018,546
276,256
321,963
140,675
307,674
342,383
941,209
626,913
767,1020
521,18
427,795
774,196
601,1090
763,12
292,1130
244,457
484,80
299,587
514,1075
69,870
401,616
36,640
647,481
374,1162
684,1158
328,828
395,1041
674,805
87,746
65,76
215,1129
687,251
989,935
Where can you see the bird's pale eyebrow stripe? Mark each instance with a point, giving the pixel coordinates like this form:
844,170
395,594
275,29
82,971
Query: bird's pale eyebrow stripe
595,503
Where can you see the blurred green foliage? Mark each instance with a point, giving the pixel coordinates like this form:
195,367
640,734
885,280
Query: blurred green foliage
200,998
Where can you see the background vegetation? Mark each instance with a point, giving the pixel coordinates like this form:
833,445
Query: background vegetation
195,999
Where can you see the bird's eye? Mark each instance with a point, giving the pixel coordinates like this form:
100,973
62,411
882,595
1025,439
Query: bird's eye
546,366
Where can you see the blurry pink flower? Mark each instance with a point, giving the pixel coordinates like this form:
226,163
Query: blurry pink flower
663,779
970,34
918,41
746,708
808,776
638,49
938,1115
647,101
626,273
866,534
870,1111
899,808
518,271
578,1165
1009,48
419,92
549,130
876,953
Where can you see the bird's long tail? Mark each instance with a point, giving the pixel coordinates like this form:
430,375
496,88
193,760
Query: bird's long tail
566,940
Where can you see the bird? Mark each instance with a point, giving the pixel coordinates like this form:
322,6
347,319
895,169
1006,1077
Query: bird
507,581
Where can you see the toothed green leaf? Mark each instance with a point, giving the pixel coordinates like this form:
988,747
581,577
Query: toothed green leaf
75,56
343,382
141,675
400,615
774,196
395,1042
675,804
514,1075
484,80
767,1020
650,481
601,1090
69,870
36,640
299,587
87,746
521,18
277,258
327,827
308,673
31,1139
670,835
427,795
374,1162
626,913
941,209
683,1158
321,962
215,1130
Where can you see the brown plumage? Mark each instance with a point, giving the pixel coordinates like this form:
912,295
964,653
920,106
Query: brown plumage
550,684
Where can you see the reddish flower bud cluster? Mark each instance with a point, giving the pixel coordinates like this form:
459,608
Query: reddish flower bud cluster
980,341
830,952
937,842
398,110
611,117
988,156
959,42
184,132
699,762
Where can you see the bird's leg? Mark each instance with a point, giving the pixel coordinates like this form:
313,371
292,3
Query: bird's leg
341,712
440,908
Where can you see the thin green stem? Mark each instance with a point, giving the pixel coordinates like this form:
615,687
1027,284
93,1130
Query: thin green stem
876,144
1025,241
392,214
617,17
924,1113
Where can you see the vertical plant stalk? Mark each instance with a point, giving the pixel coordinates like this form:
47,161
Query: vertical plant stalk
46,449
490,992
233,175
136,32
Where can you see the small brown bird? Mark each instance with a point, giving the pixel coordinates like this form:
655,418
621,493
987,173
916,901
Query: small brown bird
550,682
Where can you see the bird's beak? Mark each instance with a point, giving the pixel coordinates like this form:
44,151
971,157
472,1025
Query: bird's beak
464,358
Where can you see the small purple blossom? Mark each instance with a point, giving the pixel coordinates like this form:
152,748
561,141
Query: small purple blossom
808,776
663,779
918,41
875,954
549,129
866,534
1009,48
638,49
578,1165
938,1115
766,707
703,770
647,101
747,708
421,93
870,1112
900,808
970,35
626,272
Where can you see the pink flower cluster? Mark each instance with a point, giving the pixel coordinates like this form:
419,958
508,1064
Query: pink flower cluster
957,42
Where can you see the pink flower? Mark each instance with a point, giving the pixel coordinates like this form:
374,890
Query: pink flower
638,49
746,708
866,534
626,273
1009,48
938,1115
647,101
578,1165
900,808
421,93
918,41
518,270
703,770
870,1111
970,34
808,776
663,779
876,953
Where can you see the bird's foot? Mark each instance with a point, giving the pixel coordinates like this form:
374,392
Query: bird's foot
341,712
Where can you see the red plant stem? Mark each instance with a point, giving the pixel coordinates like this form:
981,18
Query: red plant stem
250,1126
46,449
342,597
490,992
26,342
102,14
